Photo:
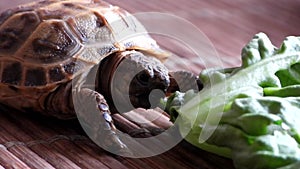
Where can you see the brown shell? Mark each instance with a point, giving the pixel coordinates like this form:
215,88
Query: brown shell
49,42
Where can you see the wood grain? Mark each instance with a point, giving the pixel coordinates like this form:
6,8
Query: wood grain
34,141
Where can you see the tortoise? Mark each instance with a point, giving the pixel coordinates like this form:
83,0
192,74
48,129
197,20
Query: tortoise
47,45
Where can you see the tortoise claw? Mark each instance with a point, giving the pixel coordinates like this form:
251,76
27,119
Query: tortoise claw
109,138
94,115
112,143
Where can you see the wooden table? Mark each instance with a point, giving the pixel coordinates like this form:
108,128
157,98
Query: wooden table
33,141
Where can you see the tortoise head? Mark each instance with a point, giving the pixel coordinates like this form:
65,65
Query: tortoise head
134,80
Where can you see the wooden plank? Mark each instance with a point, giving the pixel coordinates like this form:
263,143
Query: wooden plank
21,151
47,136
84,143
228,24
45,152
9,160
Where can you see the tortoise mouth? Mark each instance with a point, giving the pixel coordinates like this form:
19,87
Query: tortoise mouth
147,99
146,89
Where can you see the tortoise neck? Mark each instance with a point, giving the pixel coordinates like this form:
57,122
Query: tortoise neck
105,73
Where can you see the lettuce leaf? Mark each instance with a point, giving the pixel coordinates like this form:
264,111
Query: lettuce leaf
250,113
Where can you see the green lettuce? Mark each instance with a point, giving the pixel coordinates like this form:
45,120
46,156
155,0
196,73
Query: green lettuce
251,113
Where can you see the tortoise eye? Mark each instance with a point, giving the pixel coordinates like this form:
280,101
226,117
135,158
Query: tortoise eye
143,78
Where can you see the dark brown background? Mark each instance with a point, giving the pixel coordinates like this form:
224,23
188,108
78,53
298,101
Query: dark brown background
38,142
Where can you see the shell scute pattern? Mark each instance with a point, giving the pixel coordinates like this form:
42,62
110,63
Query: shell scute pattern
8,13
46,43
35,77
15,31
51,42
89,27
74,66
12,73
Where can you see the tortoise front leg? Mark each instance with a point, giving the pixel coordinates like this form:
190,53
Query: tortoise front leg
93,112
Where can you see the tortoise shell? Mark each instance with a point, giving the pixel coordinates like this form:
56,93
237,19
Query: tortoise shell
46,43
